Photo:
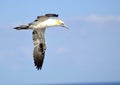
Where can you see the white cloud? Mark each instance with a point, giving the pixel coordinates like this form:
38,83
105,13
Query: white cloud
98,18
26,51
16,66
62,50
4,26
11,24
6,53
83,31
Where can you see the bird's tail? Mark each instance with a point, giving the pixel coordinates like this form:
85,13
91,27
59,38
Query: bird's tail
22,27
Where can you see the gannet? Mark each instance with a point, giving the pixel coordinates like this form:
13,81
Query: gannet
38,35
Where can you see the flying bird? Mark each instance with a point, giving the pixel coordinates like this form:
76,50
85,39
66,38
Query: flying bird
38,26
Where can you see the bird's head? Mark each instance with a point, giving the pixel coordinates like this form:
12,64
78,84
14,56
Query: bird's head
60,23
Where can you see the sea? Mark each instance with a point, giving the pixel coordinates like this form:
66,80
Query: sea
118,83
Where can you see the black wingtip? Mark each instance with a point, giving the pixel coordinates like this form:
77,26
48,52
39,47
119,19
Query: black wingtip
38,63
51,15
17,28
38,68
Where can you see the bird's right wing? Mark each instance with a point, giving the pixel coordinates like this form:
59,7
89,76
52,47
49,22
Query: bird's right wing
51,15
45,17
42,18
39,47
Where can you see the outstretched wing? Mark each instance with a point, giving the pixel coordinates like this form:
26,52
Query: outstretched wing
39,47
45,17
36,21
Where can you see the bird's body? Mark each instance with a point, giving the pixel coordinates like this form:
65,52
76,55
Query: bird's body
44,24
38,27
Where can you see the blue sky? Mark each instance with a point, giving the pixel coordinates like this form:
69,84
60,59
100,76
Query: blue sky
88,52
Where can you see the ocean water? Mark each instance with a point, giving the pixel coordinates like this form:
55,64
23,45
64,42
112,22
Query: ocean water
83,84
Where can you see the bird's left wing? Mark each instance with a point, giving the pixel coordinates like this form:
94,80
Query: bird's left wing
39,47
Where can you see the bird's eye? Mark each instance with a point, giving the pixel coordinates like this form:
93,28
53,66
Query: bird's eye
62,23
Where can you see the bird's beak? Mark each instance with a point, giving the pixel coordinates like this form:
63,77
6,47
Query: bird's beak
65,26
